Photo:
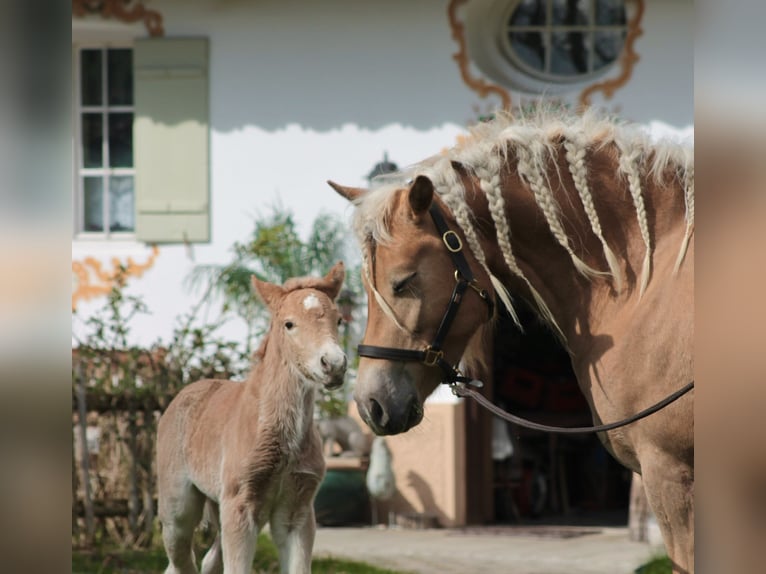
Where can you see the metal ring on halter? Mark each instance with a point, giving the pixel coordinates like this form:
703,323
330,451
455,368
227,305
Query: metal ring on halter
432,357
450,233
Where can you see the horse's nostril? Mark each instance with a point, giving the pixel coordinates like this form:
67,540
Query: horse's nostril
377,414
325,364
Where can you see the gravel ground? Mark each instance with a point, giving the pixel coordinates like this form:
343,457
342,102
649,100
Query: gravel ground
515,550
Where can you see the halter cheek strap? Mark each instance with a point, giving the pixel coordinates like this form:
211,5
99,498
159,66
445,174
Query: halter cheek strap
433,355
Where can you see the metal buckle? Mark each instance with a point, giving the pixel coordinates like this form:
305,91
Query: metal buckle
456,236
432,357
473,284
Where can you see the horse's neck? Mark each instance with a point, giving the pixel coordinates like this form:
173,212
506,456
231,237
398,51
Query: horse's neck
542,251
283,400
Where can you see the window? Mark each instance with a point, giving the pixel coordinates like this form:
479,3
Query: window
104,141
140,137
565,40
546,45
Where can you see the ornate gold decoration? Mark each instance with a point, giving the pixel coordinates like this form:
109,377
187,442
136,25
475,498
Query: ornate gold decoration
478,85
124,10
92,280
628,59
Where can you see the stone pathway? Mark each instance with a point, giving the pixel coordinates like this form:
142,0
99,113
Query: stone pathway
512,549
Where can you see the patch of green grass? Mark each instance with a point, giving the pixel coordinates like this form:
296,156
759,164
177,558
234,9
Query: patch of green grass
657,565
154,561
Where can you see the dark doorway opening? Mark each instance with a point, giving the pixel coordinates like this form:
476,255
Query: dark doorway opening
542,477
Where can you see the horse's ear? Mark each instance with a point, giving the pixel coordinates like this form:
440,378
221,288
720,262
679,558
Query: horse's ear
421,194
350,193
459,167
268,292
333,281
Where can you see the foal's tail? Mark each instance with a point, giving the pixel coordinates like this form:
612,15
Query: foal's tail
210,517
212,563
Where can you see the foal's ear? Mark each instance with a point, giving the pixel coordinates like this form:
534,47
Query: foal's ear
350,193
333,281
421,194
268,292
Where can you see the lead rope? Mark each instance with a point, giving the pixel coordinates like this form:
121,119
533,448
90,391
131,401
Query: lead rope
463,391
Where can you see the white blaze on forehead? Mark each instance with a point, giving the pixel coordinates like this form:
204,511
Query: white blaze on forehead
311,302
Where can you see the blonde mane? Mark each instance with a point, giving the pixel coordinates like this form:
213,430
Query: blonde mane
535,140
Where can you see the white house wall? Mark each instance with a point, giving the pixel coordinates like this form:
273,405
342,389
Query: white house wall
305,91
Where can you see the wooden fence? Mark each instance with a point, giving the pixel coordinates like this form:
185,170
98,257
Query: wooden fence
117,399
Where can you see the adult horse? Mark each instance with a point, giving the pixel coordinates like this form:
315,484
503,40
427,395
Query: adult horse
249,450
589,221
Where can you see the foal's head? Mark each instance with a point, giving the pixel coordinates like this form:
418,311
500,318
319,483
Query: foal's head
304,325
409,278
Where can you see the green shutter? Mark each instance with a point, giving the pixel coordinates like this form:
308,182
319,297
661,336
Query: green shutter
170,137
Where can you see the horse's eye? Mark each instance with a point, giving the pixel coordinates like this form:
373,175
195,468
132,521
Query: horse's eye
340,321
399,286
289,325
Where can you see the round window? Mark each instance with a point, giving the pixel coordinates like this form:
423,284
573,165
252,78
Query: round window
540,44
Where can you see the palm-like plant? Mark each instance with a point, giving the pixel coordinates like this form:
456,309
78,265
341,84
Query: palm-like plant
274,252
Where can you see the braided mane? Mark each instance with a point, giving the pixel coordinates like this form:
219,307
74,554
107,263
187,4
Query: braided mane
535,140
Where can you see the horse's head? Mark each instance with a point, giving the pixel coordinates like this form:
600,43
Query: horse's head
409,276
304,323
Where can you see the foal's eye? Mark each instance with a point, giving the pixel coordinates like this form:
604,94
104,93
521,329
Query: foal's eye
289,325
340,321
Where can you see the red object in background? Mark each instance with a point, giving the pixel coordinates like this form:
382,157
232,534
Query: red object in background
523,387
563,395
552,392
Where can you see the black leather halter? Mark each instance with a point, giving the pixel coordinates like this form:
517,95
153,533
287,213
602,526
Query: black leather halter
433,355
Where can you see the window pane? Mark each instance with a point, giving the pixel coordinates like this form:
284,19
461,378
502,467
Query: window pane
90,77
120,73
610,13
608,46
529,13
529,48
121,140
93,204
92,140
121,208
569,53
570,12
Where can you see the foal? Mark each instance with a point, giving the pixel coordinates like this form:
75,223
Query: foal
249,451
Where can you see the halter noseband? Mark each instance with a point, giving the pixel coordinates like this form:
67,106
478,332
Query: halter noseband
433,355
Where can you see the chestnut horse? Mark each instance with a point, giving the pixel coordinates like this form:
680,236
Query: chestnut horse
249,450
590,222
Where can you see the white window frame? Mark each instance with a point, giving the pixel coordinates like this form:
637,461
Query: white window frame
488,46
105,172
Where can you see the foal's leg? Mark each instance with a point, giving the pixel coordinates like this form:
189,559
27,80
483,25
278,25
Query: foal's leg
239,533
293,529
669,487
212,563
180,510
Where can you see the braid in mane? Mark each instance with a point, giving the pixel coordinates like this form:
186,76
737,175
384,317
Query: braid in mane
575,148
531,168
689,199
455,200
630,160
490,185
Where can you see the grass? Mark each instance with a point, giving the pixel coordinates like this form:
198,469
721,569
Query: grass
154,561
657,565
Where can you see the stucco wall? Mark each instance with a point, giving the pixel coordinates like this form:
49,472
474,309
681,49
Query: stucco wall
429,466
